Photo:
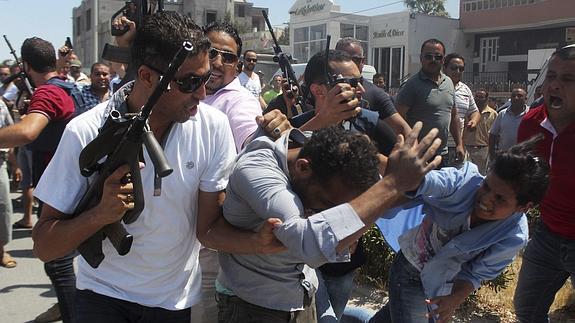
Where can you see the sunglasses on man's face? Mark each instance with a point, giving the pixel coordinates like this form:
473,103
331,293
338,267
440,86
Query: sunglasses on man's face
357,59
192,83
352,81
227,57
459,68
431,57
251,60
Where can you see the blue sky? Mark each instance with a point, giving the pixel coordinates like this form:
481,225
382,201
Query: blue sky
52,19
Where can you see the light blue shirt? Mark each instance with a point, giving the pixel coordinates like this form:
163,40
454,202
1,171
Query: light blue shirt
475,255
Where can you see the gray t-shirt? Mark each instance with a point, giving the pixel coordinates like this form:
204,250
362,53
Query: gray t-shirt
258,189
430,103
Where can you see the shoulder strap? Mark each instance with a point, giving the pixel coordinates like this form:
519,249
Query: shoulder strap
72,91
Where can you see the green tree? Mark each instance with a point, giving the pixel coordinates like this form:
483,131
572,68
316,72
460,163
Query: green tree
428,7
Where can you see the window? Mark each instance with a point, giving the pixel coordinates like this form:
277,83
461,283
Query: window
78,26
211,16
301,34
473,6
240,11
88,19
361,33
468,7
480,5
308,41
346,30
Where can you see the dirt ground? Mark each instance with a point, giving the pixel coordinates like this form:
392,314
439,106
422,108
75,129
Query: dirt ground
487,306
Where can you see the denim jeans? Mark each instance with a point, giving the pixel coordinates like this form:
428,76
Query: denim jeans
332,295
96,308
547,263
5,206
233,309
61,274
406,294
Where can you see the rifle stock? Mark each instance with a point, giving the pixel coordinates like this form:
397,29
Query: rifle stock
121,141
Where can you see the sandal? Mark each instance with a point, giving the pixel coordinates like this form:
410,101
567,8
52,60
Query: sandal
18,225
8,261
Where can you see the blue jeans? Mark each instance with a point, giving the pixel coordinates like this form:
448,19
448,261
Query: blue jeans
364,315
96,308
406,293
332,295
547,263
61,274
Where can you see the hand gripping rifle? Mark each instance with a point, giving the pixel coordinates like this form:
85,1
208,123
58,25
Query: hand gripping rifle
283,60
22,75
120,141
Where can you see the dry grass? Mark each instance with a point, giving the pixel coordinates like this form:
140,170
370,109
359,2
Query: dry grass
488,306
498,307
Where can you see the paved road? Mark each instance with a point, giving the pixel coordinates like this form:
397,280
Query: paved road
25,291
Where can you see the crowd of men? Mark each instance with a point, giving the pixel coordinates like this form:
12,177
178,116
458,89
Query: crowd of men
262,217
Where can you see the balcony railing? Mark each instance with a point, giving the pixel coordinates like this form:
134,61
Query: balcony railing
496,81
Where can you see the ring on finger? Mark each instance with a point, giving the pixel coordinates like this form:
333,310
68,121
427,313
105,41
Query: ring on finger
276,131
129,197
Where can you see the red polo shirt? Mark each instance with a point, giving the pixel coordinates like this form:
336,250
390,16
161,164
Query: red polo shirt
558,205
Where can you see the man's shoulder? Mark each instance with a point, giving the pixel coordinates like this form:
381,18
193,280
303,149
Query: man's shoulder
93,118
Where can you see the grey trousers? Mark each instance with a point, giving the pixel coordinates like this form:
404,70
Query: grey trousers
5,206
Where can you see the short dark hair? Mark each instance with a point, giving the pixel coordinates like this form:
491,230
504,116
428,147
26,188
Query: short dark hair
333,151
378,75
315,69
433,41
39,54
483,90
161,36
96,65
565,53
248,51
228,29
527,173
451,56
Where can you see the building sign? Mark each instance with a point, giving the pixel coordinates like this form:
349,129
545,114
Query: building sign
389,33
304,8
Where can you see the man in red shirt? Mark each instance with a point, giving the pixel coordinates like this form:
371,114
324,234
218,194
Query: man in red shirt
51,107
548,259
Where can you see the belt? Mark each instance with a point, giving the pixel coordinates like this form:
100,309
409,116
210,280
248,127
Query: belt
476,147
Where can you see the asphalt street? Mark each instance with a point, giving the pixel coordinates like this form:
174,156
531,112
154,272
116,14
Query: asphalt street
25,291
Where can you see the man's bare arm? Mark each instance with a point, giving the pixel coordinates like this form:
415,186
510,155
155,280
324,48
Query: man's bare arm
398,124
23,132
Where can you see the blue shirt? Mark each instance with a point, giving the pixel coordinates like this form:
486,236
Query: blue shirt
477,254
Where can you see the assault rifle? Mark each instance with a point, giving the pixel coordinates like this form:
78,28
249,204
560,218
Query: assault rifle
283,60
22,75
120,141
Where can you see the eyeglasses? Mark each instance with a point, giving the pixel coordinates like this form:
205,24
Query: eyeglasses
352,81
251,60
188,84
454,68
192,83
227,57
357,59
431,57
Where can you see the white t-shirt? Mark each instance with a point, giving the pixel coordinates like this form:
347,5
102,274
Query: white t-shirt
251,83
161,270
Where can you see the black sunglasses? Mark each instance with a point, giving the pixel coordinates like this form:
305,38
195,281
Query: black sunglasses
431,57
192,83
357,59
188,84
460,68
227,57
252,60
352,81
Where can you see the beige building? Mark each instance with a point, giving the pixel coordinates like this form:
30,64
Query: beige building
92,20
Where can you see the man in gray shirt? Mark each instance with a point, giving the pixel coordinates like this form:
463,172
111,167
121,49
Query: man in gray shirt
307,188
429,96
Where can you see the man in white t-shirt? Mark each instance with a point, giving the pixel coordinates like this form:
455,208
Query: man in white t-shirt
249,78
159,279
